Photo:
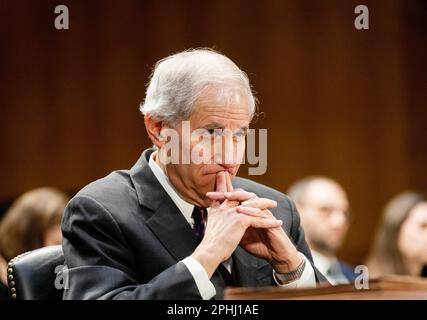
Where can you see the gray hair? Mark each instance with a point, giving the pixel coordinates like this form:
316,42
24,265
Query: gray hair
179,80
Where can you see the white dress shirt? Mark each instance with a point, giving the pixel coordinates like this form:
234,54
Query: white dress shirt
330,268
205,286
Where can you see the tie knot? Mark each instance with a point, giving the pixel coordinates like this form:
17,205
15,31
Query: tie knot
199,214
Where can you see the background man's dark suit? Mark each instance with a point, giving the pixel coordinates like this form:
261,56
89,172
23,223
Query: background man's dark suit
124,239
348,271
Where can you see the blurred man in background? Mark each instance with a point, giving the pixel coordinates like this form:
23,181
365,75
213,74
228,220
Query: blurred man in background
324,210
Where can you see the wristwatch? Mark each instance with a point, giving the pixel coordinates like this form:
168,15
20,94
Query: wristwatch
288,277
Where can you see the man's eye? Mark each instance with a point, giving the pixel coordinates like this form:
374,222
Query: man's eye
215,132
326,210
240,133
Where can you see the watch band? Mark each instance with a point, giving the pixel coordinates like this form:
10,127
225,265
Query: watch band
291,276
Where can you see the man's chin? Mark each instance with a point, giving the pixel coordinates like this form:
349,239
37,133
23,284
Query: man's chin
327,247
207,183
334,247
201,194
207,203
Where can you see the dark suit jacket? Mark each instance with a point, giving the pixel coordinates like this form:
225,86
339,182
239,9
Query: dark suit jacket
4,291
124,238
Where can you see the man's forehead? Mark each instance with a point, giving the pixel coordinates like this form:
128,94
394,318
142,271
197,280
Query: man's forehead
419,212
221,115
324,192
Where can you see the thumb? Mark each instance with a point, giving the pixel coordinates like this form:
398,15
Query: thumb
228,181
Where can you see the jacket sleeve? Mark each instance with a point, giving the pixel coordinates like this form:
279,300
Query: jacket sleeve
100,264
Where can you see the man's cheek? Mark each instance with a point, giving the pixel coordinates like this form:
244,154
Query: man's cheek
201,151
234,173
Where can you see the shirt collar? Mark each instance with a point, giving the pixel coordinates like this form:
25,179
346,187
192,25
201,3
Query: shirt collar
331,264
185,207
322,262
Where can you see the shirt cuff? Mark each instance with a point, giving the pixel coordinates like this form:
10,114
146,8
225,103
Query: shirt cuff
307,279
205,286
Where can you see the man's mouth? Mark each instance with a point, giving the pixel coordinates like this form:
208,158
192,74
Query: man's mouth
214,169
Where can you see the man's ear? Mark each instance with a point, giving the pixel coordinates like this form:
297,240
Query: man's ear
154,128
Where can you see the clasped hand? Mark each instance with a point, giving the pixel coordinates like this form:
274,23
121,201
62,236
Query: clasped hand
238,217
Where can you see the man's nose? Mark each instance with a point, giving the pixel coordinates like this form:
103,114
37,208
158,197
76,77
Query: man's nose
338,219
227,152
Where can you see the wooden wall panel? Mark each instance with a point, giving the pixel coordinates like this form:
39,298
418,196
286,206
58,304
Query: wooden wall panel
345,103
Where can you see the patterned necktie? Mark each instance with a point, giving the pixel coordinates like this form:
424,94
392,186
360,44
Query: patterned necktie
200,216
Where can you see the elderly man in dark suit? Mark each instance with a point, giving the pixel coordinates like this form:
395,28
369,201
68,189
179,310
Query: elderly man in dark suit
170,228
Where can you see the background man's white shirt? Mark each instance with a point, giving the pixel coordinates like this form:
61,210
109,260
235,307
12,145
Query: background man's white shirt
330,268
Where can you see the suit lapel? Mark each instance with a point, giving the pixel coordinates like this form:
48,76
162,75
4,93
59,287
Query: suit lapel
166,221
173,231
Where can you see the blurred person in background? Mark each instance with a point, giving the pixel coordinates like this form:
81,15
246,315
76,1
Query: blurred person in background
324,210
33,221
400,245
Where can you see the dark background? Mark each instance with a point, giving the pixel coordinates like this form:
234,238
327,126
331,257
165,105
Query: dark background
337,101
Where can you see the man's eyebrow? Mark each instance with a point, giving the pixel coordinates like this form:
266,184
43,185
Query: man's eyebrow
213,125
216,125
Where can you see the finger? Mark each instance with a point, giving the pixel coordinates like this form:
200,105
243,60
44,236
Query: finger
228,181
215,204
224,204
221,184
214,195
264,223
260,203
240,195
268,213
233,203
219,196
230,204
253,212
